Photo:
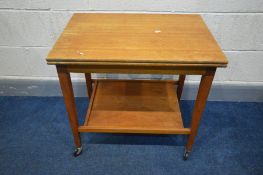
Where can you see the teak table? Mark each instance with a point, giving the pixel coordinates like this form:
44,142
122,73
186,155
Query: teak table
136,44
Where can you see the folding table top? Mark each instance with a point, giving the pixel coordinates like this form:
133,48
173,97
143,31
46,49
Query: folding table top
137,38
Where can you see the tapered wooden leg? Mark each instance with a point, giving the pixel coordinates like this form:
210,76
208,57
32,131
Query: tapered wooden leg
204,88
88,83
67,91
180,86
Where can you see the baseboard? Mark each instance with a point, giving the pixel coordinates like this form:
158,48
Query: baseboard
221,91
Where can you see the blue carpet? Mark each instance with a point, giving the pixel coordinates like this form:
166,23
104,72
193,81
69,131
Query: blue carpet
35,138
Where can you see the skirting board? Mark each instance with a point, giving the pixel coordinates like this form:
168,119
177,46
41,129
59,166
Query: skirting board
221,91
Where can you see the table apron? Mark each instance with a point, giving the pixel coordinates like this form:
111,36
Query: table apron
189,70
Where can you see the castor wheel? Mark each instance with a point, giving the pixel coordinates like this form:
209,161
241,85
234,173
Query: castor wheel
77,151
186,155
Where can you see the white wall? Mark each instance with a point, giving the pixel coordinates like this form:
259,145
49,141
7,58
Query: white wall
28,29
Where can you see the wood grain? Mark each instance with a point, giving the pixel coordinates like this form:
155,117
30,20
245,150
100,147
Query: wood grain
139,69
131,38
202,95
67,91
136,43
135,107
180,86
91,101
88,83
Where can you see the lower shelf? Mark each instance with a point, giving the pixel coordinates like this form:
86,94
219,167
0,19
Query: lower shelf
134,107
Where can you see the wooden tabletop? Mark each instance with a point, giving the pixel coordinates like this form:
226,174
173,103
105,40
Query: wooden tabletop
137,38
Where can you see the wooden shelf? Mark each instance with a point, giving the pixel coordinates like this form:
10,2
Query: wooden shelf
134,107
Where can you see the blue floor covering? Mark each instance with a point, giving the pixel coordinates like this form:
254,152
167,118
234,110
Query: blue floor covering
35,138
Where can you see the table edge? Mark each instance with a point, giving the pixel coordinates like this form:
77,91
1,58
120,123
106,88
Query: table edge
138,63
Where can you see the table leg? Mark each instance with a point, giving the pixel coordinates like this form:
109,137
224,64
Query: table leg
180,86
204,88
88,83
67,91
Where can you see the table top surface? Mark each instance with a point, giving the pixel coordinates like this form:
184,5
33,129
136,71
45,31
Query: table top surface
137,38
